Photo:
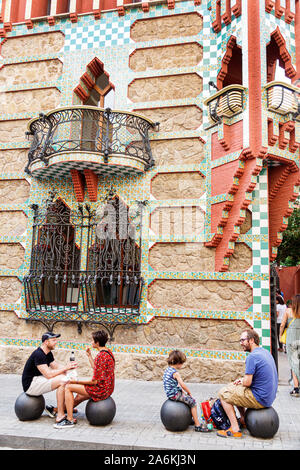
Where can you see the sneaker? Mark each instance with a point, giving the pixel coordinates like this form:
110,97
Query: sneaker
64,423
295,392
50,411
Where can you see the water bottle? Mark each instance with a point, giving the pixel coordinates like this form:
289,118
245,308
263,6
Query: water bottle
72,373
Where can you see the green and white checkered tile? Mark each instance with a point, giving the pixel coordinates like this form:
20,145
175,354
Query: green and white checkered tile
260,259
112,32
62,170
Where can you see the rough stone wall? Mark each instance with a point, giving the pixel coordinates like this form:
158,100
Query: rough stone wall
10,290
184,333
13,223
13,130
16,46
181,55
14,191
31,72
177,221
11,255
183,257
177,151
35,100
13,160
178,185
173,119
189,294
165,88
195,257
167,27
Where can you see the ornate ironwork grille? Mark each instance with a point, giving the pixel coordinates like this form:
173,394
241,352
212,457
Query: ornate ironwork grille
85,265
89,129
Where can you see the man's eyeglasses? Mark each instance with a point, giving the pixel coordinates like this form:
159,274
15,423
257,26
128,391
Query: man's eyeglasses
243,339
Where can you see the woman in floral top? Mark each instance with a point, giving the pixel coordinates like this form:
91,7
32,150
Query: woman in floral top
100,387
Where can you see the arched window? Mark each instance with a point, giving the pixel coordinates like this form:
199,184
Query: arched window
231,72
278,56
115,259
55,259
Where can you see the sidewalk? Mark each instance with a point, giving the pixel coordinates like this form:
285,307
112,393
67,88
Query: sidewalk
137,423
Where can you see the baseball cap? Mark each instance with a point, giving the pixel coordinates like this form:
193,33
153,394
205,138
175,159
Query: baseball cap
49,335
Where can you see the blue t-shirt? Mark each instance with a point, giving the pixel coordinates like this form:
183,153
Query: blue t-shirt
261,365
170,384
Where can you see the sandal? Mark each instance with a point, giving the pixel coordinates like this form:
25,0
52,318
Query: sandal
229,433
202,428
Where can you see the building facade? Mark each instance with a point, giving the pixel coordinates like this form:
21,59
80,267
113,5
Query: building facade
149,161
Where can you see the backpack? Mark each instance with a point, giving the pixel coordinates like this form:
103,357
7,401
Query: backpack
219,416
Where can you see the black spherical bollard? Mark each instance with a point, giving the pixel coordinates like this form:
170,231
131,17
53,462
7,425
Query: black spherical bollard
175,415
28,407
262,423
100,413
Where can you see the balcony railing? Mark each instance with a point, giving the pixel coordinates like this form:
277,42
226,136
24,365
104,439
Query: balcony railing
283,98
109,137
225,103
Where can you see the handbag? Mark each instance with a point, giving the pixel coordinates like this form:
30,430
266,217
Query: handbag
283,336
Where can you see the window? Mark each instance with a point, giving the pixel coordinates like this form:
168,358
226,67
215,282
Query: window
55,259
83,266
115,258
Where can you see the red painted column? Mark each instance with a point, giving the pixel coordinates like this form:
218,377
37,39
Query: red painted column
297,38
254,77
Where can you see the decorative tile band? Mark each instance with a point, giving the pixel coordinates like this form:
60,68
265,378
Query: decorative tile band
132,349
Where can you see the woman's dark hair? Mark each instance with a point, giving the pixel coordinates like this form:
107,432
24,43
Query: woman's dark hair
176,357
100,337
280,299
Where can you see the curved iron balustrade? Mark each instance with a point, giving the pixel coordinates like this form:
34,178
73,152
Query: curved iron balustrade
84,269
90,129
283,98
227,102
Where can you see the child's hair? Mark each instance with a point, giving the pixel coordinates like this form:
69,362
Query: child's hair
176,357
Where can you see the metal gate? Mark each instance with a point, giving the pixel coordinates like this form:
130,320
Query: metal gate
273,286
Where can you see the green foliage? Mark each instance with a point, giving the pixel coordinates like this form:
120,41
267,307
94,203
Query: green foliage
289,250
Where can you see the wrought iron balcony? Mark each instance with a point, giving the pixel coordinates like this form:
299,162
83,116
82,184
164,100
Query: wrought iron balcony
88,137
83,268
225,103
283,98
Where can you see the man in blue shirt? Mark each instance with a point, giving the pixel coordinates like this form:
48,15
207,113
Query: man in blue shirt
257,389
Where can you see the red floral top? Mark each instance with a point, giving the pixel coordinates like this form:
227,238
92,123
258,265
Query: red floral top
104,373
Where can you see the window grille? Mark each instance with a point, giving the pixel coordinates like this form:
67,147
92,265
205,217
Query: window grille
85,265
